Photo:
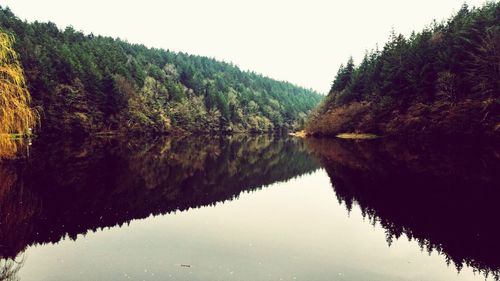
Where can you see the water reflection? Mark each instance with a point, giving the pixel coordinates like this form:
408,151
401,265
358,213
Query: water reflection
12,147
69,188
9,268
445,197
7,146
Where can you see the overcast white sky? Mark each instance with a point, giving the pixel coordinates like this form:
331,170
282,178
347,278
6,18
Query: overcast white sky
303,42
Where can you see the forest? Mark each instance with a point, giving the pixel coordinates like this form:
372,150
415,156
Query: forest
441,82
87,84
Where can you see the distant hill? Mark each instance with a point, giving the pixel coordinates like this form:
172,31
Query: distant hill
441,82
83,84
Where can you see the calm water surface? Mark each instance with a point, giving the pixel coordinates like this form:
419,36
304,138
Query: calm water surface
241,208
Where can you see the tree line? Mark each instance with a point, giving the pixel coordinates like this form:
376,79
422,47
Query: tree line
442,81
84,84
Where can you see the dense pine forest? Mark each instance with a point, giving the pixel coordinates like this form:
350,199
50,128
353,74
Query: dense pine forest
443,82
86,84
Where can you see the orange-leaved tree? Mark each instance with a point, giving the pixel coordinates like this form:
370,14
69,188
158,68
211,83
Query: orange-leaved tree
16,116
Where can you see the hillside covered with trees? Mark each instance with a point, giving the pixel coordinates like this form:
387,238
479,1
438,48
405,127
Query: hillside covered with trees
443,82
85,84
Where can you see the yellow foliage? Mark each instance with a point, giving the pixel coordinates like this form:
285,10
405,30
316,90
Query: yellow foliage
356,136
299,134
16,117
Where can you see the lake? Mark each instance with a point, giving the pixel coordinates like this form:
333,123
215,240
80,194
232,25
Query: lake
250,208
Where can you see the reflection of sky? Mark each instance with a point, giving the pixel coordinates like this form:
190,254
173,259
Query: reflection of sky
288,231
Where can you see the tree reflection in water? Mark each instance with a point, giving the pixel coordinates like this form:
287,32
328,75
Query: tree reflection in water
69,188
443,196
8,147
13,147
9,268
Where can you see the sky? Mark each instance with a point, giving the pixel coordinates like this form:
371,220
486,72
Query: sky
303,42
